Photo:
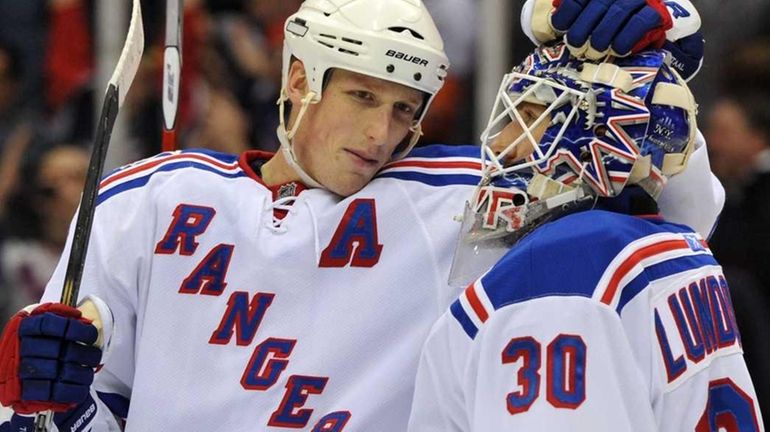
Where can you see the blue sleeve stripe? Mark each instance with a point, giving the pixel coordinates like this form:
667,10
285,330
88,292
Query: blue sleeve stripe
462,317
444,150
434,180
116,403
141,181
660,271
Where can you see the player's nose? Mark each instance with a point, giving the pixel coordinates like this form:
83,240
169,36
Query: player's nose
510,134
378,126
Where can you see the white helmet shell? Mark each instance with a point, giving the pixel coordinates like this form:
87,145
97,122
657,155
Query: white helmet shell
394,40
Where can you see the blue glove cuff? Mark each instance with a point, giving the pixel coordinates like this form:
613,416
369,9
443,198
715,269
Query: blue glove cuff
686,54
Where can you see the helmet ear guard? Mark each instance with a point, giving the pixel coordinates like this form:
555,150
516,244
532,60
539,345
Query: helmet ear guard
666,96
677,95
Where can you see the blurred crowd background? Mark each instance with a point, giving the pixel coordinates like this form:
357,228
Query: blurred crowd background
231,79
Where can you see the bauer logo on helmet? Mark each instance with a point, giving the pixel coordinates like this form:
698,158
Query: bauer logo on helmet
407,57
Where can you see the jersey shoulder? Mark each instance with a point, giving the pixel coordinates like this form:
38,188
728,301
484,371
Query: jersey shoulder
192,163
573,255
437,165
609,257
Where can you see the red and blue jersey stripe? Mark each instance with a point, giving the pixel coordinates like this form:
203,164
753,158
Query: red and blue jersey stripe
437,165
138,174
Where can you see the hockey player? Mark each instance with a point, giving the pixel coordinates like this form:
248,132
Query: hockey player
269,292
602,316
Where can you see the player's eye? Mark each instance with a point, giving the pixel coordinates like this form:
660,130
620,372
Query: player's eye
528,115
404,112
406,108
362,95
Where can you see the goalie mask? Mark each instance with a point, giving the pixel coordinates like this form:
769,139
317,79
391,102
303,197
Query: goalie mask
595,129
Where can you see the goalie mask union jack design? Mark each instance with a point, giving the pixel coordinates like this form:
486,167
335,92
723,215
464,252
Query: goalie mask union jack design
607,124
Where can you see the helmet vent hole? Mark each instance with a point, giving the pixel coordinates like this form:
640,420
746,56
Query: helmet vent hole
353,41
417,76
390,68
328,36
326,44
344,51
402,29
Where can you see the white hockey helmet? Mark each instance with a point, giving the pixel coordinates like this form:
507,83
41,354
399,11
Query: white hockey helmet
394,40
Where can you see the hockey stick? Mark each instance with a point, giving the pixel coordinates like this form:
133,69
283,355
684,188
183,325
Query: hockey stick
172,71
118,86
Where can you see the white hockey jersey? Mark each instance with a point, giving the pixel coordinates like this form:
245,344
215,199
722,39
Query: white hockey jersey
230,315
598,321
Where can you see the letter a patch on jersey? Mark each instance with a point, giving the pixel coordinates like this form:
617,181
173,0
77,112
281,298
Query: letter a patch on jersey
355,241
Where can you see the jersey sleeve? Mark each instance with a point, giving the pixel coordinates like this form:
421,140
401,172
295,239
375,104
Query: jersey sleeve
106,276
695,197
439,395
526,21
119,250
435,182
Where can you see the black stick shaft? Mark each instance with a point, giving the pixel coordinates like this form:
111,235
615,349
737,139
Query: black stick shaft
79,248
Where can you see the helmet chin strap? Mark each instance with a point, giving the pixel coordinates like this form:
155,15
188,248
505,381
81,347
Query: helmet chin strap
285,137
416,130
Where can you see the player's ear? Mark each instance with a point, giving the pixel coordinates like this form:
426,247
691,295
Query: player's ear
296,85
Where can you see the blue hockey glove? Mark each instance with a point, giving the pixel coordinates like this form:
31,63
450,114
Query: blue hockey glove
47,359
597,28
593,27
684,41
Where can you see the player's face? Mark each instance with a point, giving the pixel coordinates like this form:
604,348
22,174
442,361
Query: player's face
353,131
529,112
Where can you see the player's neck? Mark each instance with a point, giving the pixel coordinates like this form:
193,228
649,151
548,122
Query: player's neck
277,171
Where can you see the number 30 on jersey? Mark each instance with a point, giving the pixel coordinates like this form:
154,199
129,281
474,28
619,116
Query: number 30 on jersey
565,359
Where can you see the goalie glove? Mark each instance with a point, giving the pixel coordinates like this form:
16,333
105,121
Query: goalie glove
597,28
